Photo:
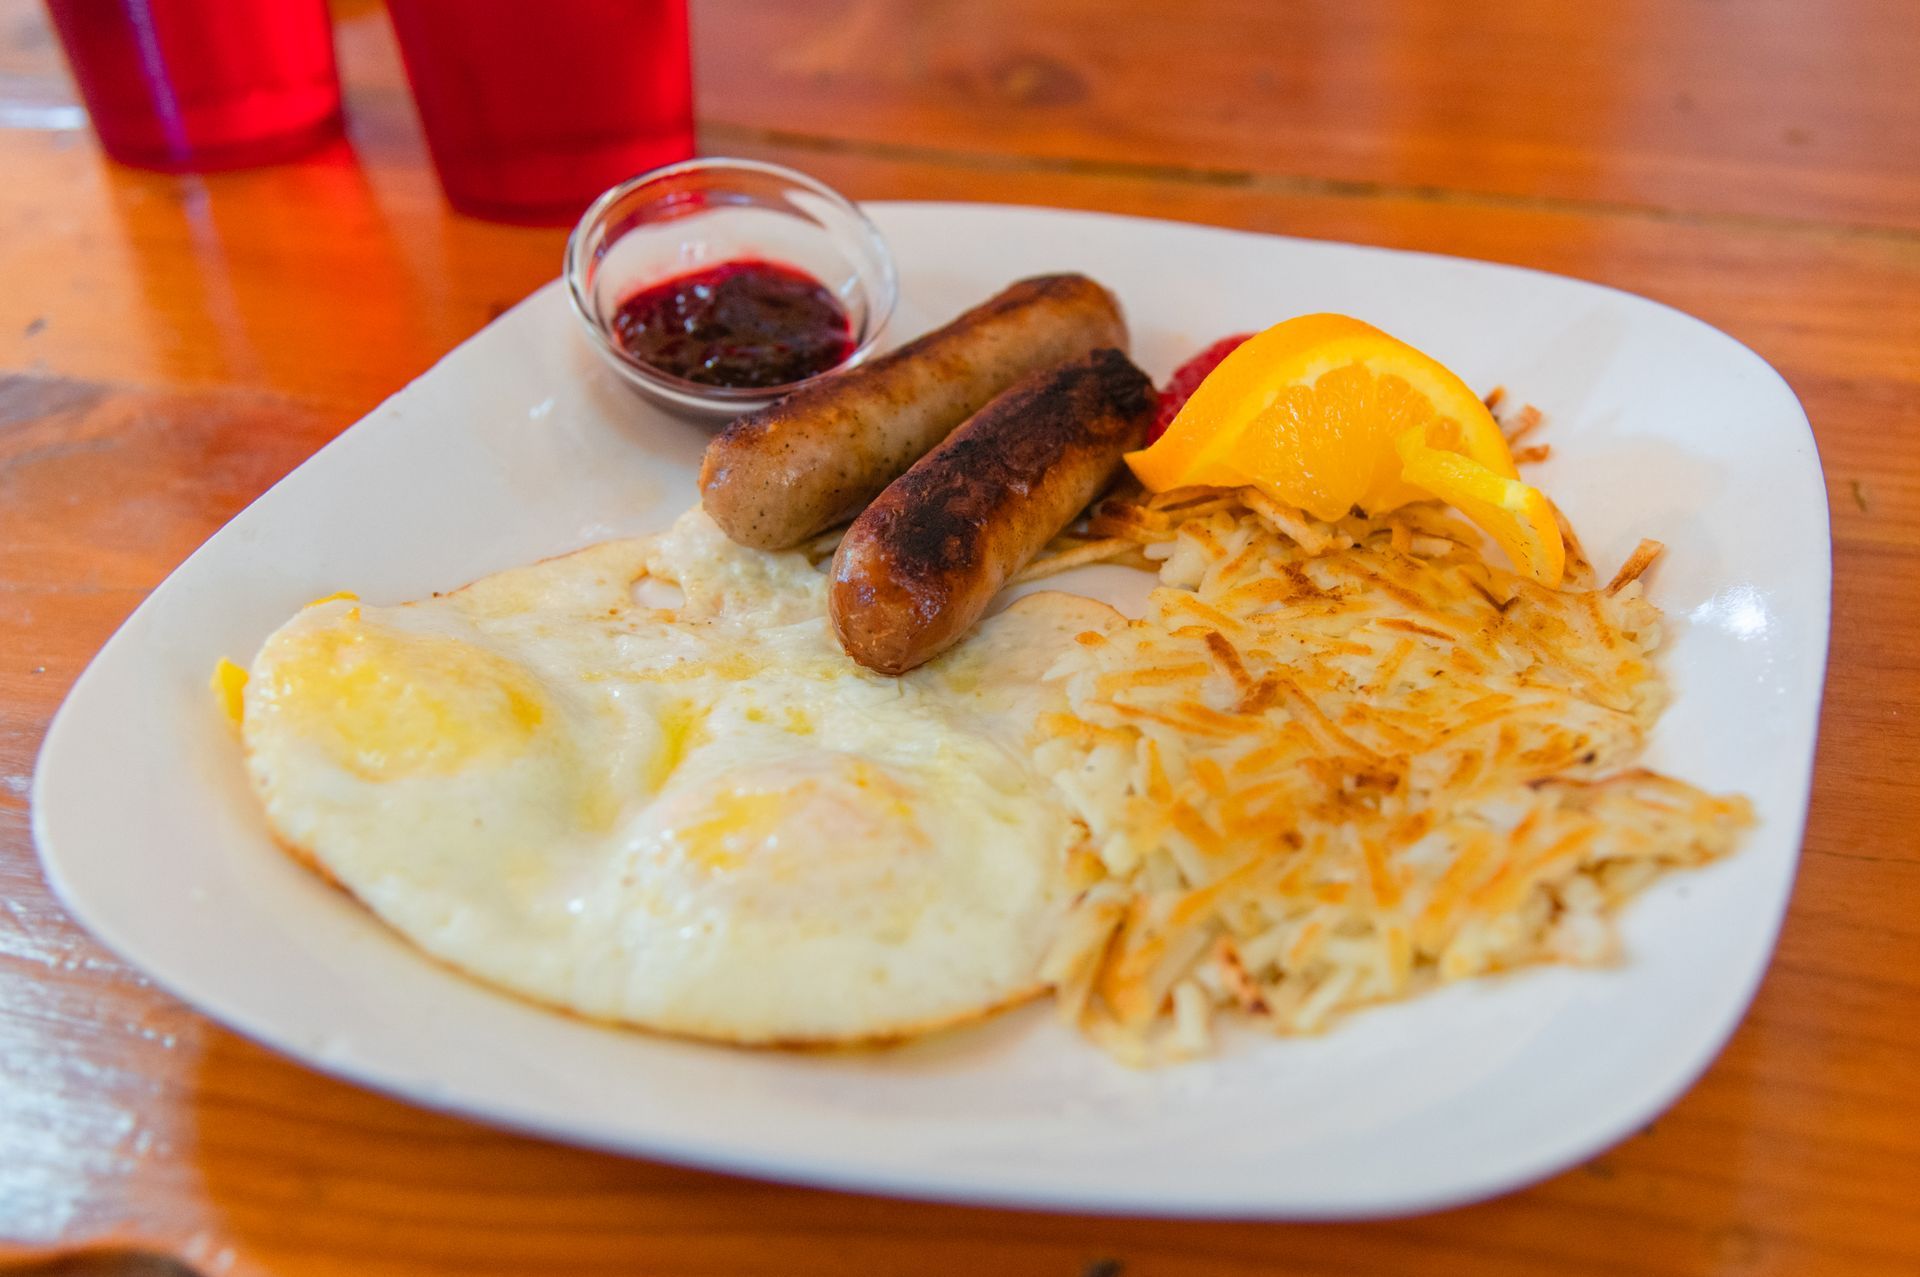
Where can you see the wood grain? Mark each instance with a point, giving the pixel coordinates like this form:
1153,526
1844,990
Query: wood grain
168,347
1768,108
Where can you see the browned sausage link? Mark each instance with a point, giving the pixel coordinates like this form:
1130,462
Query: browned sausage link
923,562
797,467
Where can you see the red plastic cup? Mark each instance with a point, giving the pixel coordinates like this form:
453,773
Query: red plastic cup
195,85
532,109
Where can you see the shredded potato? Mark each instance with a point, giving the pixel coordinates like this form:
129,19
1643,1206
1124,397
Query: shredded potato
1336,764
1066,552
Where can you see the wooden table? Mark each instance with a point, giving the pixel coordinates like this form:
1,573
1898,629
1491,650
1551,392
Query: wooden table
169,347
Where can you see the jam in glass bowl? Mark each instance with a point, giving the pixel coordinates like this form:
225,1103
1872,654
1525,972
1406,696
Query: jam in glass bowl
716,286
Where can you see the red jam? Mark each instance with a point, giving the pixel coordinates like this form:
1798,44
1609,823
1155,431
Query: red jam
1186,379
746,324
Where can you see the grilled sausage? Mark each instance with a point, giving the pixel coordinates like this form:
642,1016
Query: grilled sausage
815,458
921,564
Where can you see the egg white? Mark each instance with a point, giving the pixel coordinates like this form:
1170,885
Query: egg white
701,817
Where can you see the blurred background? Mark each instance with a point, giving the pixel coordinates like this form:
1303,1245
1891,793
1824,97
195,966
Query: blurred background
1418,123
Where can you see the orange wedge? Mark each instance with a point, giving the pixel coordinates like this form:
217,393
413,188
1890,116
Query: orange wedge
1309,410
1516,515
1312,411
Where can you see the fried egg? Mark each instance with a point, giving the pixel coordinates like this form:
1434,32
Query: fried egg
644,784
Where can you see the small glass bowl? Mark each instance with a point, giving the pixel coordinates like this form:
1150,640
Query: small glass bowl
686,217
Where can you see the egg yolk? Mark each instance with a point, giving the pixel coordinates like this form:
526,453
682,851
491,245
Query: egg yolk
229,683
734,826
847,811
389,704
681,727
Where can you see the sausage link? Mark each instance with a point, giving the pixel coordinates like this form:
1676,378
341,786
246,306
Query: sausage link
924,560
815,458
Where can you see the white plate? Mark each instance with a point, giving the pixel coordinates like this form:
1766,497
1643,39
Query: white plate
520,445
